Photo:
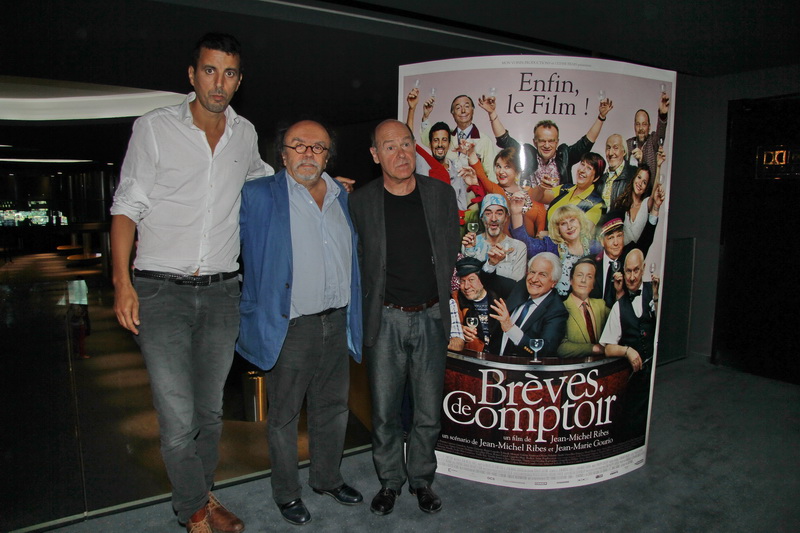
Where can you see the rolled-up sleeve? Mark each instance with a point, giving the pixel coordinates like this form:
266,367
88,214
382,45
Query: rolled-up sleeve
456,330
138,174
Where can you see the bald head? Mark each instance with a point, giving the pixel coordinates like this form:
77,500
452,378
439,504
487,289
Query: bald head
394,150
634,269
641,125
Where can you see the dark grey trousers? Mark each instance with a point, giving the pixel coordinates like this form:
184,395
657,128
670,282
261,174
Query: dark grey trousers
313,364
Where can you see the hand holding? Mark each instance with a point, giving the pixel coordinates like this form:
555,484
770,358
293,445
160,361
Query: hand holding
517,203
548,182
466,146
663,105
618,282
487,103
427,107
469,175
468,240
412,99
658,196
606,105
470,333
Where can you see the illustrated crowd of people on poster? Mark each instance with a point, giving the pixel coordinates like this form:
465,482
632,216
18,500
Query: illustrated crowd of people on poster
561,169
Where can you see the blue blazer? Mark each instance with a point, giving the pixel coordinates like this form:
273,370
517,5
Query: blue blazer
267,257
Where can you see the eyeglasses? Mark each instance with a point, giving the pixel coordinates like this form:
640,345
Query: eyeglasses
301,148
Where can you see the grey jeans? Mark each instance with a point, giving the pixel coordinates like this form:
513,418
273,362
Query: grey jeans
313,364
411,347
187,337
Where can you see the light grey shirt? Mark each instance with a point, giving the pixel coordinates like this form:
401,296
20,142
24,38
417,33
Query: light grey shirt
321,250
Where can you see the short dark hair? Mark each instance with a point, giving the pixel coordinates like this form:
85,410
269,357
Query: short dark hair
217,41
583,261
546,124
439,126
284,127
597,163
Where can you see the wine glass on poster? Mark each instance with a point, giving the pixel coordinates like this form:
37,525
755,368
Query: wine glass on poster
536,345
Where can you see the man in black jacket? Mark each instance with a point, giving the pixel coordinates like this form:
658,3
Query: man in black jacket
408,233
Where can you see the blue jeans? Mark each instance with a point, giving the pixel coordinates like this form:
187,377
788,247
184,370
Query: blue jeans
313,364
187,337
410,348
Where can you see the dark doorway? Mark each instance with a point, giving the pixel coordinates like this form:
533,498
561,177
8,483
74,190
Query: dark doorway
756,326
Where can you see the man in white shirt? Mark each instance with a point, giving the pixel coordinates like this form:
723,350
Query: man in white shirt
463,108
180,187
630,333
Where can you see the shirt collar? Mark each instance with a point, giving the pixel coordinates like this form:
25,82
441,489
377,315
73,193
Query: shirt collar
540,161
577,301
185,113
471,132
583,195
538,301
332,188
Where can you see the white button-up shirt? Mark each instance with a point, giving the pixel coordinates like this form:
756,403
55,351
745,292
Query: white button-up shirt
184,198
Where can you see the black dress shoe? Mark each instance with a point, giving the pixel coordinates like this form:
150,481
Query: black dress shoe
295,512
428,500
343,494
383,502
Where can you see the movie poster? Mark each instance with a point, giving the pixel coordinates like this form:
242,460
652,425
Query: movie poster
536,133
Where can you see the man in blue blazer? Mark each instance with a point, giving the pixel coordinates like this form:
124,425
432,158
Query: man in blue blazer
301,311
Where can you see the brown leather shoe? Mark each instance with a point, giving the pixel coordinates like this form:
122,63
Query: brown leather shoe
198,523
221,519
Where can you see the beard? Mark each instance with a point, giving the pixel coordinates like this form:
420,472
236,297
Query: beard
303,172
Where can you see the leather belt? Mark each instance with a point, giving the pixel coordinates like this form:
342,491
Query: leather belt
326,311
413,308
178,279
